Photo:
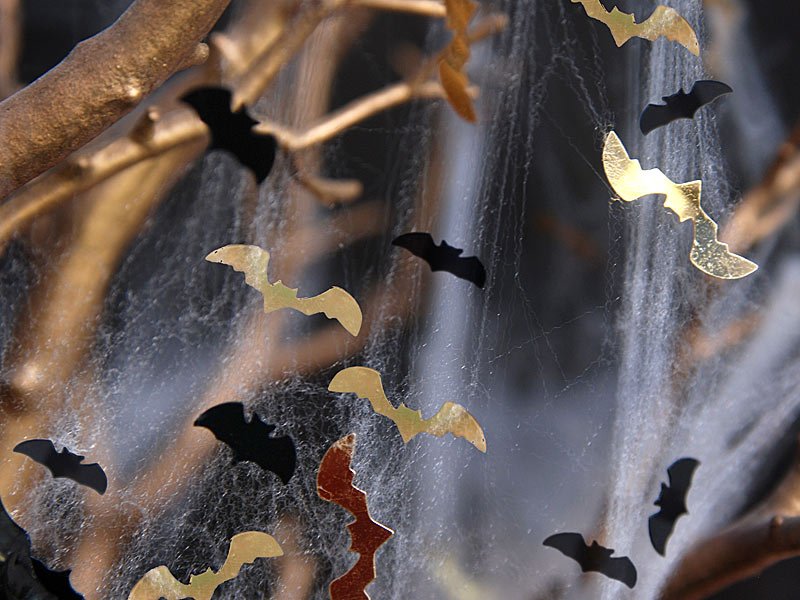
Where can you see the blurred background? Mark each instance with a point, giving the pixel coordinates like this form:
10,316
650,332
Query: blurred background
594,357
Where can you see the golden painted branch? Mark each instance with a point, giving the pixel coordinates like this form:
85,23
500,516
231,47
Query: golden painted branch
102,79
770,533
10,27
351,114
86,169
426,8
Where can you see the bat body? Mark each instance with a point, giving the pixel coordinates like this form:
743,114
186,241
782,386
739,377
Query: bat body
664,21
22,577
594,558
451,418
672,501
334,303
64,464
335,484
245,548
681,105
630,182
232,131
443,257
250,440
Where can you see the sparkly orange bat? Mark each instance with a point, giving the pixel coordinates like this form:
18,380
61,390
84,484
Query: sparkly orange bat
451,418
664,21
335,484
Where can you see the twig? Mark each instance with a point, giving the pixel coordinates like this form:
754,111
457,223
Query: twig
86,169
102,79
10,23
770,533
351,114
427,8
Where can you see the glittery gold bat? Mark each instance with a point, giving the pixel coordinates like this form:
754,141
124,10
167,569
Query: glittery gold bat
335,484
664,21
631,182
245,548
455,56
451,418
252,261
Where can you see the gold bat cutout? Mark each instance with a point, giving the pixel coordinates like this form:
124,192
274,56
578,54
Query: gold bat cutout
245,548
664,21
631,182
451,418
335,303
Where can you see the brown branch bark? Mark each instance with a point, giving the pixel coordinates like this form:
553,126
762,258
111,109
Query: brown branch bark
768,534
101,80
10,22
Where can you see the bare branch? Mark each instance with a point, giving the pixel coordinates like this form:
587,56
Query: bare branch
770,533
10,23
352,113
427,8
101,80
87,169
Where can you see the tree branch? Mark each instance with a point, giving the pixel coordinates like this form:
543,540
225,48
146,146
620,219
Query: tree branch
101,80
350,114
770,533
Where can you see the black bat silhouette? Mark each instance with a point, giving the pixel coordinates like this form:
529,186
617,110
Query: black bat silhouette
681,105
443,257
64,464
594,557
672,501
250,440
232,131
22,577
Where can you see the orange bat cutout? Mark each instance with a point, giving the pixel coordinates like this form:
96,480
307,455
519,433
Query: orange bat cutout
335,484
334,303
451,418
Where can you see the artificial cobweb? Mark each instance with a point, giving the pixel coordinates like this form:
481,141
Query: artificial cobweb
575,358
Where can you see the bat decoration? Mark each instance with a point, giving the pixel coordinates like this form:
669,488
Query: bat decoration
664,21
455,56
594,557
443,257
23,577
672,501
335,303
631,182
232,131
250,440
335,484
245,548
451,418
681,105
64,464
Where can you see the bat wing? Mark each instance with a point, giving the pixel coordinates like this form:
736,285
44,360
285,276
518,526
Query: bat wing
212,105
250,441
334,303
706,91
469,268
654,116
91,475
660,527
418,243
226,422
13,539
42,451
454,418
621,569
250,260
257,152
55,582
571,545
680,474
